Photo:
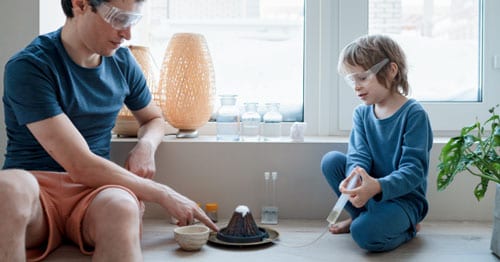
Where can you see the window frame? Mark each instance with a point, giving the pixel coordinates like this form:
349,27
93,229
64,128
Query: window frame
328,102
328,110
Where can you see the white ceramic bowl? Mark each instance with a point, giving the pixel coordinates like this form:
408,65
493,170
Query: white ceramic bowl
191,238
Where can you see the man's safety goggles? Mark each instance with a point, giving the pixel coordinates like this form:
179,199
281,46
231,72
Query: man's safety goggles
118,18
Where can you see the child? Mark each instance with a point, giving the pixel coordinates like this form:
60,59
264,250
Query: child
389,148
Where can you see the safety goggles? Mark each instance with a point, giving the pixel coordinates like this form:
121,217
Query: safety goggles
118,18
366,76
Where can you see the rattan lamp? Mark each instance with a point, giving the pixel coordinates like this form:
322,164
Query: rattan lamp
126,125
188,83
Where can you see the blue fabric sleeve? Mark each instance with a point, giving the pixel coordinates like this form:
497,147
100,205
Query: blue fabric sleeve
393,150
358,148
140,95
31,93
413,163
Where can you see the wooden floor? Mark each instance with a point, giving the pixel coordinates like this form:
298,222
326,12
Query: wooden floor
298,241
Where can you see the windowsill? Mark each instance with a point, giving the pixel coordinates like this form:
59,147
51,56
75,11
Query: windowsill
213,139
284,140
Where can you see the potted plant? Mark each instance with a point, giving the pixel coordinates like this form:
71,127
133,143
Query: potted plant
475,151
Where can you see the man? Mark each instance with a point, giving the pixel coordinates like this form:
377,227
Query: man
61,97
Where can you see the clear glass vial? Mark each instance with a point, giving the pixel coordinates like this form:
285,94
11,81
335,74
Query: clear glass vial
228,119
250,123
271,128
269,213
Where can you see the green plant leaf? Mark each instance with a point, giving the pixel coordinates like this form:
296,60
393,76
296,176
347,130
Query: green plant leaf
450,162
467,129
474,151
481,188
496,135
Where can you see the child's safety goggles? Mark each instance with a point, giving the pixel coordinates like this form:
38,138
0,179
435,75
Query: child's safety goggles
118,18
364,77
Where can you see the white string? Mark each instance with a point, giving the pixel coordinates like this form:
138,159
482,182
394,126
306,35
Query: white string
302,245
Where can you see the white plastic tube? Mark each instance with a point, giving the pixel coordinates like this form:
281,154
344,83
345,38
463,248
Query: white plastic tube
337,208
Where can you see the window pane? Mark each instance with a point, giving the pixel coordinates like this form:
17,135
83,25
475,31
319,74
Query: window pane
441,41
256,46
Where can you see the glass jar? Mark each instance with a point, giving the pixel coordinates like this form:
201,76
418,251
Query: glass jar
228,119
271,129
250,123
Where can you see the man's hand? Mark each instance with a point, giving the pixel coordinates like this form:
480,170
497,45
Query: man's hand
186,210
141,160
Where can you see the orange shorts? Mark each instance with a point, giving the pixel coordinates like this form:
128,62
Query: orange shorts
65,204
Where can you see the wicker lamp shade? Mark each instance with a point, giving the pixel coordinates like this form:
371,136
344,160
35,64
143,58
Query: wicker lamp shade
126,125
187,82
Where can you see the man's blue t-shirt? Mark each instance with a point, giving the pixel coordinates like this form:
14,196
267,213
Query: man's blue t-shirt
42,81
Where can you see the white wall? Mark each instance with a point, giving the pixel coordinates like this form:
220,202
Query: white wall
51,16
18,26
232,174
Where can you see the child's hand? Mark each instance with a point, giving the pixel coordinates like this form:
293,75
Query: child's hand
366,188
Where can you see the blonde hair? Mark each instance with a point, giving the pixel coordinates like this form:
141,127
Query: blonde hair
367,51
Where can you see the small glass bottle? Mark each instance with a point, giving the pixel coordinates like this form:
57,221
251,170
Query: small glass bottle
271,129
211,211
250,123
269,213
228,119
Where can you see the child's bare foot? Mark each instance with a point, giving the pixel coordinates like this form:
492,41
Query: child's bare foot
341,227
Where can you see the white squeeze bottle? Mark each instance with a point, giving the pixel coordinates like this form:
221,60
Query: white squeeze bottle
334,214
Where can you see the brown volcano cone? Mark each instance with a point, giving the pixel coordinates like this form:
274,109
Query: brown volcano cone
242,228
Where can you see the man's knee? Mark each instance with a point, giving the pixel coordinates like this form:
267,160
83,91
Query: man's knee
18,186
19,192
115,205
113,211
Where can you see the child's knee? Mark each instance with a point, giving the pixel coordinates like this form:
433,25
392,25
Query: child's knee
373,238
331,161
368,237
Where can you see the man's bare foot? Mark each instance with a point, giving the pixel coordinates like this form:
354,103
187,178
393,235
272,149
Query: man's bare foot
342,227
418,227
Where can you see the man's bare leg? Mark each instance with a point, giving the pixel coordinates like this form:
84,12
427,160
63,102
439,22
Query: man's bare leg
22,223
341,227
111,225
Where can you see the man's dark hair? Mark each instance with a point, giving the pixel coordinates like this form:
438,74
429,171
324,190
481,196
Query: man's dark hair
67,6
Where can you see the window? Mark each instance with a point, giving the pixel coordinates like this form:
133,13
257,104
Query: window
256,45
328,25
447,30
462,75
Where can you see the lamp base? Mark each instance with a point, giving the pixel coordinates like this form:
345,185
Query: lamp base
186,133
